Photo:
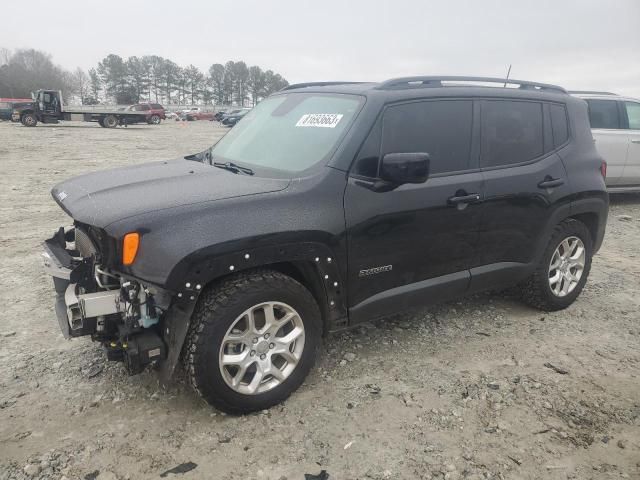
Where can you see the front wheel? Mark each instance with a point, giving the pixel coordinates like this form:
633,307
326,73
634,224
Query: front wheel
252,341
29,120
563,270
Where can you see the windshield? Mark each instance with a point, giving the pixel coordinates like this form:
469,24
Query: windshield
289,132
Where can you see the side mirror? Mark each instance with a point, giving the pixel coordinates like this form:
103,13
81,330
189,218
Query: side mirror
401,168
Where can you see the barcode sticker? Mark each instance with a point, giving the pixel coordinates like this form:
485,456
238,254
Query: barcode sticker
325,120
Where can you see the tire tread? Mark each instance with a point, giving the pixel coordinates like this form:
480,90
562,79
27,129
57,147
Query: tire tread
204,318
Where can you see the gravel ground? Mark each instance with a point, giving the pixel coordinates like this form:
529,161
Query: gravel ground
457,391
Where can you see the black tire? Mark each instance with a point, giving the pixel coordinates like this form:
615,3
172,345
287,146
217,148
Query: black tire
100,122
29,120
536,290
110,121
155,120
217,309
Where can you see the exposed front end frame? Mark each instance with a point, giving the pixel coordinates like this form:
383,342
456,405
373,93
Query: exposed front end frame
121,313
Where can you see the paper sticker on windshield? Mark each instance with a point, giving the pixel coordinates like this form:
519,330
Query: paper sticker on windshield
326,120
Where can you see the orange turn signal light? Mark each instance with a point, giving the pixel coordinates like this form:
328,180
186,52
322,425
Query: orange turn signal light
130,245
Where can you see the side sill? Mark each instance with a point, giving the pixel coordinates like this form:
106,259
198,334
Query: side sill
408,297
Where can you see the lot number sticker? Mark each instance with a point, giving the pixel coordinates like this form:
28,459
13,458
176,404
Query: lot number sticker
325,120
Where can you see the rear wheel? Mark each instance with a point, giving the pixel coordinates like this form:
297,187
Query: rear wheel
110,121
563,270
29,120
252,341
154,120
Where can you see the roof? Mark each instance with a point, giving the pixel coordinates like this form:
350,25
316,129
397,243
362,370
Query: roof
407,87
602,96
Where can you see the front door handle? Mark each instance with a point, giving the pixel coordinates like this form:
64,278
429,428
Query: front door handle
549,182
457,200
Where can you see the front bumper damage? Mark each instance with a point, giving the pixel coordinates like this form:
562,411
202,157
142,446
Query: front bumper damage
122,313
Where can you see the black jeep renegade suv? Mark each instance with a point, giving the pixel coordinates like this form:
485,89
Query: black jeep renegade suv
327,205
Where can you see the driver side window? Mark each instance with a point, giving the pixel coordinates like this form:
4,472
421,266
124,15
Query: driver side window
441,128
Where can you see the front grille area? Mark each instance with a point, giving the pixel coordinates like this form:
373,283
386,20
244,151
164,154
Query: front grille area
84,245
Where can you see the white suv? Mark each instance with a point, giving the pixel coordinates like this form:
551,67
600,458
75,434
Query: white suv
615,124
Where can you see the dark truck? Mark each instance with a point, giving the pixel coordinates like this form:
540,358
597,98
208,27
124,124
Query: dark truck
8,104
327,205
48,107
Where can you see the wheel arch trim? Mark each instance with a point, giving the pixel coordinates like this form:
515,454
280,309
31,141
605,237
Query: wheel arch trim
314,264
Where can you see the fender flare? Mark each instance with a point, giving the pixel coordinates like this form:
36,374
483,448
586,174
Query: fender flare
315,262
593,205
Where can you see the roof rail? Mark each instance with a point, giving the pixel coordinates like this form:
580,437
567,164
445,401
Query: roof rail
590,92
435,81
315,84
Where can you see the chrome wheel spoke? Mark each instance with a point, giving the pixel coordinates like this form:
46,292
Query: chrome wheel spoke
278,324
257,378
286,354
235,359
269,316
277,374
251,322
292,336
555,260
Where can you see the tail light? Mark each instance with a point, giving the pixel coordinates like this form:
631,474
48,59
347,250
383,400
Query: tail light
603,169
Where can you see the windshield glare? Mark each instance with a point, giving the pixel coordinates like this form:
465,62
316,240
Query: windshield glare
289,132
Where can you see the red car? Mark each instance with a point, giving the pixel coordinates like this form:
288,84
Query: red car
199,115
154,112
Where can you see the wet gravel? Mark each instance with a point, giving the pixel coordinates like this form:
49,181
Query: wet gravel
462,390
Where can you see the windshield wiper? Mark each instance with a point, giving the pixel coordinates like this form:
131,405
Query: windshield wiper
232,167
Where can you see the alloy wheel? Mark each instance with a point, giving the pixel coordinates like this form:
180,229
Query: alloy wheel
261,348
566,266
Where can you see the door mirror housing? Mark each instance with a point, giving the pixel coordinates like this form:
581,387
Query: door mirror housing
401,168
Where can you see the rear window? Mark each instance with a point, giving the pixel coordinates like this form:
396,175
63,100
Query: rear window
289,132
559,124
633,114
511,132
604,114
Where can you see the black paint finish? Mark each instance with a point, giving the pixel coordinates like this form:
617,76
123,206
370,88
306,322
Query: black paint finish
456,233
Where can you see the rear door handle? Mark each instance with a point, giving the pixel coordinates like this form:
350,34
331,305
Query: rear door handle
551,182
471,198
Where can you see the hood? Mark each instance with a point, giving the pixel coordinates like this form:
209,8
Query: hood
102,198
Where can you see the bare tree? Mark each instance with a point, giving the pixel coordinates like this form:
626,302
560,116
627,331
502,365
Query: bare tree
81,85
28,70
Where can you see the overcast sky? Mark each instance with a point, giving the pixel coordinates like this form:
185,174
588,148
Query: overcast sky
579,44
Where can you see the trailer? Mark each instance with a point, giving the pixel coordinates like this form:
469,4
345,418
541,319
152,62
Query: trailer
47,107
